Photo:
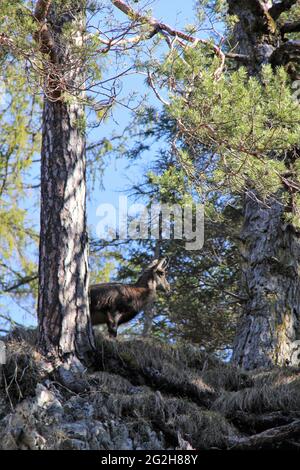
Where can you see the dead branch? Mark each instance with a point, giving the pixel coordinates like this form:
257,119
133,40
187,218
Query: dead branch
278,8
156,92
25,280
252,423
239,57
287,55
6,41
291,27
9,320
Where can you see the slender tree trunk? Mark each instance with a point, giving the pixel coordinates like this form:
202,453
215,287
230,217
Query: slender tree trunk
269,329
149,314
63,308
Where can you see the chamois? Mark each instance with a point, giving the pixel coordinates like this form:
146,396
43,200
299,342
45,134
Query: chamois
115,303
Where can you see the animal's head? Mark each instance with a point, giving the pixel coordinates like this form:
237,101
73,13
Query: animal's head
158,269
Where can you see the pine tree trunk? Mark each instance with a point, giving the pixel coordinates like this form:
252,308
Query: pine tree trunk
148,317
149,312
269,329
63,308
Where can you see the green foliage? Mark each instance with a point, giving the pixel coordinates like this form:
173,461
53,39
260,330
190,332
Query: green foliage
171,185
18,23
101,268
202,307
213,9
19,142
246,125
291,15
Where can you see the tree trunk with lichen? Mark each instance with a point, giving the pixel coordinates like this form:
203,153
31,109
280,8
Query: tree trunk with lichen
269,329
63,309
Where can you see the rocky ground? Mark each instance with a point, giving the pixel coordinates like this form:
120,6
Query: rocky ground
146,395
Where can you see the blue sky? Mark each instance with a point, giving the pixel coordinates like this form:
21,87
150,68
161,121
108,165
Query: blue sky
118,175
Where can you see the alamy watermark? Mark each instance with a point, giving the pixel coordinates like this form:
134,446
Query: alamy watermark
157,221
2,353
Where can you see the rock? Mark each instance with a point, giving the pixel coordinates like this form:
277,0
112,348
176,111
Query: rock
77,430
30,439
78,409
74,444
47,399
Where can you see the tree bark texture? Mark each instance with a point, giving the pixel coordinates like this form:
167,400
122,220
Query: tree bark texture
269,330
63,307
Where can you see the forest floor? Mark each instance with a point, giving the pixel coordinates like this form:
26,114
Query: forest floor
146,395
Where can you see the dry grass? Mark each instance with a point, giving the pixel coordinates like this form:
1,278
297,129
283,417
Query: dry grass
21,373
176,390
276,390
226,377
159,366
171,415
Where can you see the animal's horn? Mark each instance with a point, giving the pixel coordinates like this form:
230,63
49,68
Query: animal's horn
153,263
162,264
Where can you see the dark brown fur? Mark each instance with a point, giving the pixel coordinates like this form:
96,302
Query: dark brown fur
116,303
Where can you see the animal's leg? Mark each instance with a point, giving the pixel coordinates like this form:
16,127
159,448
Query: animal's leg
113,323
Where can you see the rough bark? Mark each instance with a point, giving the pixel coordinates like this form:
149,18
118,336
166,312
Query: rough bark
270,248
267,439
269,329
149,314
63,308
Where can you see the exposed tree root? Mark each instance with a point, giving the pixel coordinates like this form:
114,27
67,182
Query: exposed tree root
251,423
269,438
